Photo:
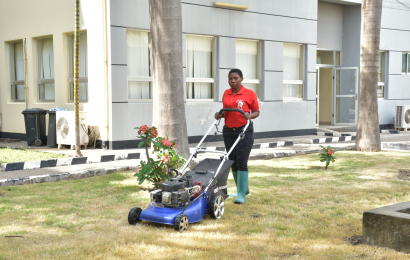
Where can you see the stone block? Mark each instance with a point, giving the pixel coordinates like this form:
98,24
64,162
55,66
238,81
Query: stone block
32,165
388,227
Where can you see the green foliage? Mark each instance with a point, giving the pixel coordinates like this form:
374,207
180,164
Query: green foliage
155,169
327,155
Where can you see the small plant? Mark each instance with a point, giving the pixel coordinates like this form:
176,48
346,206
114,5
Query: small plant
165,157
327,155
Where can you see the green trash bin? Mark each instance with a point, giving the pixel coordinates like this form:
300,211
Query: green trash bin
35,120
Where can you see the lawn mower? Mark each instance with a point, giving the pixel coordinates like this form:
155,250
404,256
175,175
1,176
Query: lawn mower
187,198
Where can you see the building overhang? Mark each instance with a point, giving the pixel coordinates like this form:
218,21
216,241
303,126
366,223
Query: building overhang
344,2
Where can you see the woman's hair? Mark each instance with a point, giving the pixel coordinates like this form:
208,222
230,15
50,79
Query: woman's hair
238,71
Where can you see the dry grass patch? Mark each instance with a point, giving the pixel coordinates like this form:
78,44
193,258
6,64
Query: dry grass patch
295,209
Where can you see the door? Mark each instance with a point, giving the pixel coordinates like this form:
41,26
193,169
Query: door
345,88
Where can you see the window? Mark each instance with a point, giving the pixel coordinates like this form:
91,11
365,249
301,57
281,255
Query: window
247,60
293,70
405,64
381,75
199,70
328,57
16,56
83,68
45,69
139,68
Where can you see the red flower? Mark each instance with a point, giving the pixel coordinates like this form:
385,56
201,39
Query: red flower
329,152
332,149
154,132
165,158
166,142
175,144
324,149
144,128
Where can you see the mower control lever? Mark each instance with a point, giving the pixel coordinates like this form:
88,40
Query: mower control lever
170,170
231,109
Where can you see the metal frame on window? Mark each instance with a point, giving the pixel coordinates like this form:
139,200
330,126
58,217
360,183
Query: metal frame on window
203,80
297,82
381,84
406,65
44,81
70,80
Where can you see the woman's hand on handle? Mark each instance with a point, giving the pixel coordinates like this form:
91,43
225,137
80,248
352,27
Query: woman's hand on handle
252,115
218,116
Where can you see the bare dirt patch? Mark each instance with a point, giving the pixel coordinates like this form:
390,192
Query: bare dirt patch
404,174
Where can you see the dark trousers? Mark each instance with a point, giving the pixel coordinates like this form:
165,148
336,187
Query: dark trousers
240,153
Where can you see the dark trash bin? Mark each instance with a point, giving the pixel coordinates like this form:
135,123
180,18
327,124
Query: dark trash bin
35,120
52,131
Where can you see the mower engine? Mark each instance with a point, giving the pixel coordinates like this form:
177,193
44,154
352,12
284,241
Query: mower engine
176,192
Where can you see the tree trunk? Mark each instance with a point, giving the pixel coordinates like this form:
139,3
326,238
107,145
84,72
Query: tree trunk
168,90
76,78
368,132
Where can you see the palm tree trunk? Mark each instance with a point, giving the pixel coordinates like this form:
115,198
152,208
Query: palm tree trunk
168,90
76,78
368,132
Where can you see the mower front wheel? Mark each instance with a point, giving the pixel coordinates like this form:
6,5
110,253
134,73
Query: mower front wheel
216,207
134,216
181,223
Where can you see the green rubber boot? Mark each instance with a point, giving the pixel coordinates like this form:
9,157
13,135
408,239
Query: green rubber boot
235,177
241,187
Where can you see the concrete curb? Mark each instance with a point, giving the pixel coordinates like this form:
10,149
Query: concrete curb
255,146
75,175
389,131
331,134
333,139
268,156
396,146
5,167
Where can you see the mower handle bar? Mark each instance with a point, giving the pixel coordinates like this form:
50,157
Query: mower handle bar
231,110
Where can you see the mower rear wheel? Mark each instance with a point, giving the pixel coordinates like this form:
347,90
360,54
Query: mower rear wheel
181,223
216,207
134,216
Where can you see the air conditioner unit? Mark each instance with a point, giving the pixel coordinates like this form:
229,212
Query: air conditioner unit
403,117
66,128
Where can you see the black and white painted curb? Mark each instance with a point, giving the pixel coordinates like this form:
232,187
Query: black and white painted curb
255,146
332,139
68,161
331,134
396,146
281,154
389,131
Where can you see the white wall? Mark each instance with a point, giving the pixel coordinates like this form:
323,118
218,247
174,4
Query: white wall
329,26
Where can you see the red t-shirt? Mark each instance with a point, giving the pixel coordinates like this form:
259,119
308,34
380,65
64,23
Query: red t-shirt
245,100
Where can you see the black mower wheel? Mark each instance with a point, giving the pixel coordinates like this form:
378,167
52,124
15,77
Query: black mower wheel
216,207
181,223
134,216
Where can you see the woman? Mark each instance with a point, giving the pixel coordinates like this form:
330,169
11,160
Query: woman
245,99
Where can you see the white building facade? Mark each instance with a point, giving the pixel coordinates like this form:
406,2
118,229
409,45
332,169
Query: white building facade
301,57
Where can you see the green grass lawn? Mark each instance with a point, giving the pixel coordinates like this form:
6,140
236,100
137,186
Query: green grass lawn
9,155
295,210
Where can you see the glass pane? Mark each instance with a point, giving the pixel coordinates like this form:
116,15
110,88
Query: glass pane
46,92
345,82
196,90
381,67
292,61
324,57
292,91
408,63
199,57
404,62
18,93
345,110
247,58
83,91
380,91
139,90
83,58
253,87
138,54
338,58
45,59
18,61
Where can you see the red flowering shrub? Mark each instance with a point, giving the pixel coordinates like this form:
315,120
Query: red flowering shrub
166,142
326,155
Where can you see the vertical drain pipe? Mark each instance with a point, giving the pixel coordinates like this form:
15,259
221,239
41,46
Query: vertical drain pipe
106,89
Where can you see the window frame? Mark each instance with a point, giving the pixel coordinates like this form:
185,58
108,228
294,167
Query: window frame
296,82
253,81
44,81
70,80
201,80
382,84
12,72
334,58
407,67
138,79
